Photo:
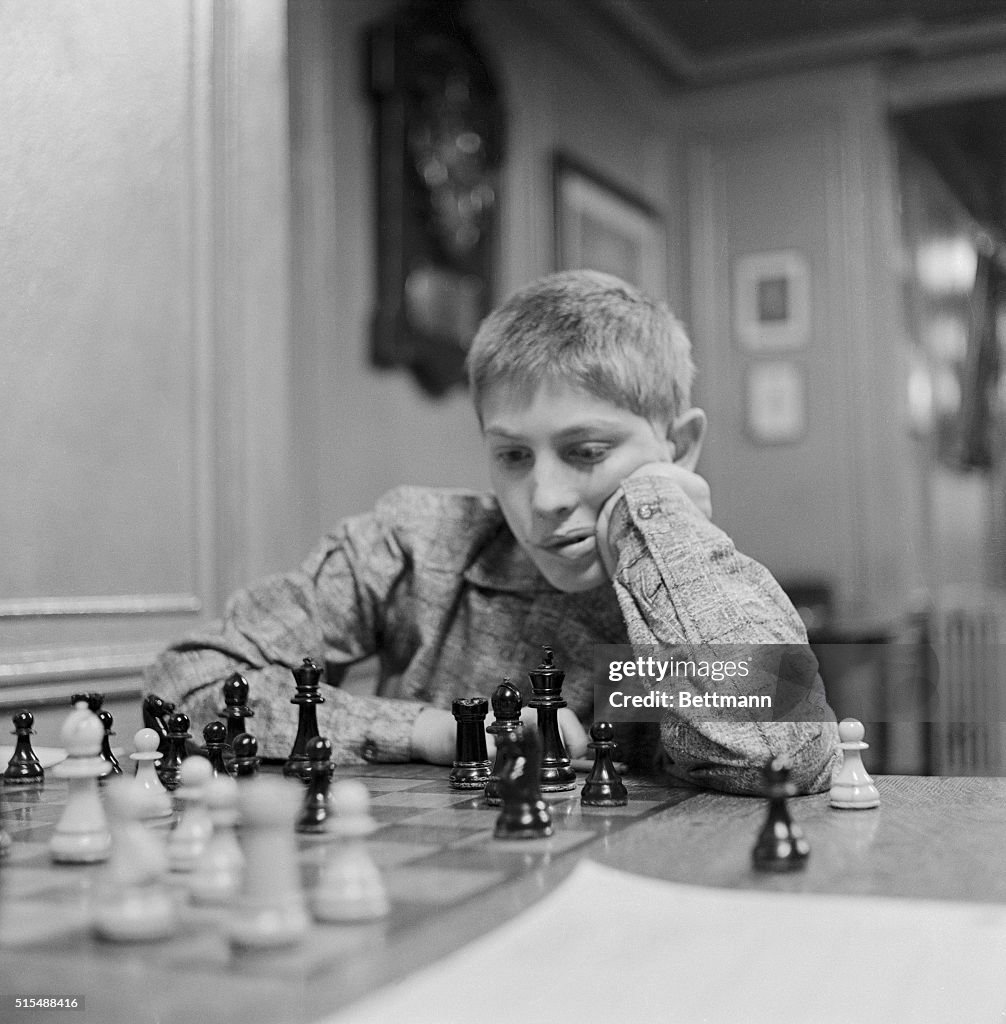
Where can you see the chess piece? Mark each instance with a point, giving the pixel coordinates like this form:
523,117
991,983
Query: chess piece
472,767
105,717
81,836
133,903
93,701
171,764
525,815
156,712
781,845
270,910
155,799
24,766
307,698
852,787
507,702
245,762
216,878
603,787
350,887
314,812
557,772
215,740
191,834
236,709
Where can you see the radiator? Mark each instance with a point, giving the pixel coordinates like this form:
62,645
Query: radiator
966,642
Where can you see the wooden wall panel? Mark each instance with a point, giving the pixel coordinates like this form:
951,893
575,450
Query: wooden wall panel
143,373
802,164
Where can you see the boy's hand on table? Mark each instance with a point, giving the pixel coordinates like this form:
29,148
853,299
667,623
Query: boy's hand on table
434,734
694,486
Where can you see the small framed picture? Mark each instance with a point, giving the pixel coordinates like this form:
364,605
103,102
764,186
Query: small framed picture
601,226
772,301
776,402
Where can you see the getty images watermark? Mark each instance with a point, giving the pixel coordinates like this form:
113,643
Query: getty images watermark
652,672
763,682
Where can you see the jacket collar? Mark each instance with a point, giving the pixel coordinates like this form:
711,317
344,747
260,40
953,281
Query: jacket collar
502,564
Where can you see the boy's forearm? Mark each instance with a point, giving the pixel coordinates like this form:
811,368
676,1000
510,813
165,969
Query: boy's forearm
362,729
732,758
681,583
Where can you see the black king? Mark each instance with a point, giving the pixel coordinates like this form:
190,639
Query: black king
557,774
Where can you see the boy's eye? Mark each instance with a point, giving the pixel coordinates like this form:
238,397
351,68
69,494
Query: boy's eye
589,452
511,457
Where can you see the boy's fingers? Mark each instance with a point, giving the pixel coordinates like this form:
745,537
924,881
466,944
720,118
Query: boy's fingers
573,733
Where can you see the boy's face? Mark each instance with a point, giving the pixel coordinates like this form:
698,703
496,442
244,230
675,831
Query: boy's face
554,460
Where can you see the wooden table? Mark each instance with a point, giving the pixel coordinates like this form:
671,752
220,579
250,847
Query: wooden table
451,882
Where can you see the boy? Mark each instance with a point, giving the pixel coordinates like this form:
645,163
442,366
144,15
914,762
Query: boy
598,532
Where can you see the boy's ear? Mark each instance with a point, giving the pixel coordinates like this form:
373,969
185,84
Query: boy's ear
686,434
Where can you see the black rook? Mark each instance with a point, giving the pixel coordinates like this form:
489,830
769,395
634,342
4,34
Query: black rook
472,767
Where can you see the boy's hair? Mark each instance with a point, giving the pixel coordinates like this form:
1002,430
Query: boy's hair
590,330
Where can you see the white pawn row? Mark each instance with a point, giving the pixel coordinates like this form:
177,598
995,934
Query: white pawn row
260,876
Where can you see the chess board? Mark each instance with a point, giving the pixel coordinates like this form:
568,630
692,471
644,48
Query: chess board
437,853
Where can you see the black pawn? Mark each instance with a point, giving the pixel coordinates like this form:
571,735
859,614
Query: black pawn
315,809
472,767
781,845
24,766
507,702
156,712
94,701
170,766
245,762
236,709
603,787
525,815
307,698
557,773
214,740
106,745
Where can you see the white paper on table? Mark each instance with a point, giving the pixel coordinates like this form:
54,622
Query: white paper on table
610,946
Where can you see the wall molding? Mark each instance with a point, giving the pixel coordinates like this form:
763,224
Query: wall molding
68,663
45,678
117,604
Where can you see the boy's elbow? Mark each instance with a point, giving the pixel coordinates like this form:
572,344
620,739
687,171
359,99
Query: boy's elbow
809,748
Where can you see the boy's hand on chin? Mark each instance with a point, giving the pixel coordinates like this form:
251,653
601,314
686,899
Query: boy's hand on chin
694,486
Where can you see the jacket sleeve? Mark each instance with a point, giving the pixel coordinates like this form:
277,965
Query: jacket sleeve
682,584
331,609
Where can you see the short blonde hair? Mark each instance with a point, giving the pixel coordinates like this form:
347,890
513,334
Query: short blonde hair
592,331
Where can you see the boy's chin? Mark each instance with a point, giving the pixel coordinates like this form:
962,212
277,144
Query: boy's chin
575,580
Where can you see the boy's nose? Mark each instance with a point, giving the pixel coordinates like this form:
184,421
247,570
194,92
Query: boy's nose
553,493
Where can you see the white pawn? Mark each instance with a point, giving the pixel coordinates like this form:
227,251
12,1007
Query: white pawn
350,887
217,874
270,909
157,800
190,836
82,836
851,785
134,904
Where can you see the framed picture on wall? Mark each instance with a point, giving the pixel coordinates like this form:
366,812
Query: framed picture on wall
775,401
601,226
772,301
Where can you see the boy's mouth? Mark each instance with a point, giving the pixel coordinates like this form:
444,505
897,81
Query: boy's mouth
573,545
